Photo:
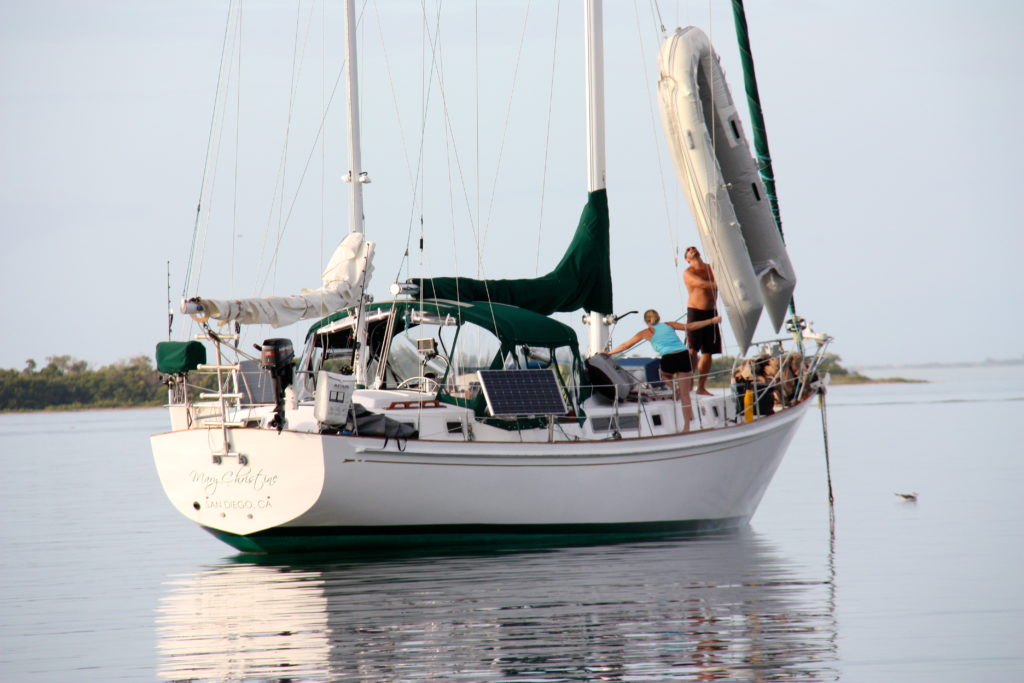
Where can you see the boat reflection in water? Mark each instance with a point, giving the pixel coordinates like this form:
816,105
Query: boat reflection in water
709,607
234,622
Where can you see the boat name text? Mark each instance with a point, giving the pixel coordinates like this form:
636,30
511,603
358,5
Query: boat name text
242,477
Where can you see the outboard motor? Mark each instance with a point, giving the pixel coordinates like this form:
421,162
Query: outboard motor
276,357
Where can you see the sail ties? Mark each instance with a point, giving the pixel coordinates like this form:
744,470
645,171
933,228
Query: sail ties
342,285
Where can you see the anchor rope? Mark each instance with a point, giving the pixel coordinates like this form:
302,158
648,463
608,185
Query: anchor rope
828,466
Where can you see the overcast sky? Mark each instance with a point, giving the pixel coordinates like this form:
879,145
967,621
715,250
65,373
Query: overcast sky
894,127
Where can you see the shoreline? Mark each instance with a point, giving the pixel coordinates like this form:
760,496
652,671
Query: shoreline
839,380
942,365
75,409
836,380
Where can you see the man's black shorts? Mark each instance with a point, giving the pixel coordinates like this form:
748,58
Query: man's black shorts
706,339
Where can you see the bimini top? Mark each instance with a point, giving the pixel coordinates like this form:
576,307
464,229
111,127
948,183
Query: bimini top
510,324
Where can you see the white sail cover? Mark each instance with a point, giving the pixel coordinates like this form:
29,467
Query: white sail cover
342,284
722,185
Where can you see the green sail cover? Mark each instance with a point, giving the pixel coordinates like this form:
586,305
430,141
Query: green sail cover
173,357
582,279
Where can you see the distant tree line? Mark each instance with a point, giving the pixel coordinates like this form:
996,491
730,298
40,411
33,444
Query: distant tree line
67,383
841,375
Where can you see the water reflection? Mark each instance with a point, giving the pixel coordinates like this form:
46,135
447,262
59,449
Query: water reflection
686,609
235,622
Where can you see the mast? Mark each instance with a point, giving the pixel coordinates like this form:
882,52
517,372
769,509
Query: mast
355,174
596,167
356,177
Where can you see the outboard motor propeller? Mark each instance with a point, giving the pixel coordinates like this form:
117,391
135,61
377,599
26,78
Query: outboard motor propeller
276,356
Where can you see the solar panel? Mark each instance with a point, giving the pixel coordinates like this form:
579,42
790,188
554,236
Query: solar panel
522,392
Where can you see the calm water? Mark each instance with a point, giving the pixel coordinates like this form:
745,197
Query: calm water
101,580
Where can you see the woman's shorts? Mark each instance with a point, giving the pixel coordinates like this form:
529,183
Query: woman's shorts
676,362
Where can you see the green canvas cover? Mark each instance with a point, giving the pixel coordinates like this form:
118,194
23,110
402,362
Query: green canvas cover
511,325
582,279
173,357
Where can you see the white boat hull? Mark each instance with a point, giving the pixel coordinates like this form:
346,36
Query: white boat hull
306,490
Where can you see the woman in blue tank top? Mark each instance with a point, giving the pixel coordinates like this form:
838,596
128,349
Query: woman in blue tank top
675,357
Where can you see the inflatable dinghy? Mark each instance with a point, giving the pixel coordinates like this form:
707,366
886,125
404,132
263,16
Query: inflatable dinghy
722,185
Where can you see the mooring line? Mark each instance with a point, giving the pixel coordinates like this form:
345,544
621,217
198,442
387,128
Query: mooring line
828,465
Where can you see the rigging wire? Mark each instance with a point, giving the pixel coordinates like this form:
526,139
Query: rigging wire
323,142
450,132
476,100
427,76
437,70
209,147
277,197
419,193
220,112
415,178
711,86
284,218
656,11
451,217
238,127
170,310
671,232
547,140
320,133
434,40
508,118
302,176
451,140
437,58
438,73
213,156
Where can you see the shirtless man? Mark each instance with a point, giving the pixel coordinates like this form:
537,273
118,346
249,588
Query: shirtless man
700,283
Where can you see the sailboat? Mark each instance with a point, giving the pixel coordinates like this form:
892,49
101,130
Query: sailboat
379,432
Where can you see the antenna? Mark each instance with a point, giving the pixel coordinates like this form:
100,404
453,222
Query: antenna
170,311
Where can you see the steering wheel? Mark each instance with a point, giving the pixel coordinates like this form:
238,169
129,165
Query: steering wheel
425,384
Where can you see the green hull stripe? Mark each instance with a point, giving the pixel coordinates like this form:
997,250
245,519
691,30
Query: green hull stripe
307,539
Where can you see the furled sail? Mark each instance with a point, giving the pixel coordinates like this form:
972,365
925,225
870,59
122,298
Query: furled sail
342,284
582,279
722,185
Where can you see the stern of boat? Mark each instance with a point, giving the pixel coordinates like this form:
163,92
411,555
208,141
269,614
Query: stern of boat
261,480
